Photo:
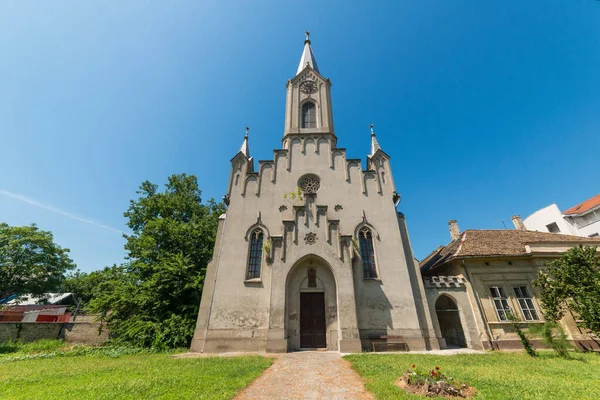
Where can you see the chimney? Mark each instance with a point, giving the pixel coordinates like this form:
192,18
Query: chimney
454,229
519,225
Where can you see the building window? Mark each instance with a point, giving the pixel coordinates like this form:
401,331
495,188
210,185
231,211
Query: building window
500,302
553,228
526,303
255,258
309,115
367,253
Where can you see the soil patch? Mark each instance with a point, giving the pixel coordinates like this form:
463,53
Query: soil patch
435,389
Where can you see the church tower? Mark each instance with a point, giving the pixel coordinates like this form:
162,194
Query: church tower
308,100
311,252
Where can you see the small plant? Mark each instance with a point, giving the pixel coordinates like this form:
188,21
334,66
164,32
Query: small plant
295,196
355,245
514,320
267,245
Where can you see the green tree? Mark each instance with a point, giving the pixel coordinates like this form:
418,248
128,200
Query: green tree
30,261
153,299
572,282
85,285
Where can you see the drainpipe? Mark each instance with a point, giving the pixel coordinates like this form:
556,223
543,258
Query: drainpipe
488,333
212,297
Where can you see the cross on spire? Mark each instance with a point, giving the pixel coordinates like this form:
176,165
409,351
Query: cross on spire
245,149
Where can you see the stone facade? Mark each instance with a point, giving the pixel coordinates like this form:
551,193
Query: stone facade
317,216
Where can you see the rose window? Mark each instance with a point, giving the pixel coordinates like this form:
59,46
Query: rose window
309,184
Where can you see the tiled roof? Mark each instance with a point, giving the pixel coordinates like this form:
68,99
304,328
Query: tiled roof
585,206
487,243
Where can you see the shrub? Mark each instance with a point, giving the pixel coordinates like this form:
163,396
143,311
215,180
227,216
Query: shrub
524,341
554,337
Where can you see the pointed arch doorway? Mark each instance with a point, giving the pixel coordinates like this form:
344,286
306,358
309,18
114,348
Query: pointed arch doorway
311,306
449,319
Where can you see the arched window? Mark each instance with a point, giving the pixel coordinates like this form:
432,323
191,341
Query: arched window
255,257
367,253
309,115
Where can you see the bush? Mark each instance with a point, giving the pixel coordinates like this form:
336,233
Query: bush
524,341
554,337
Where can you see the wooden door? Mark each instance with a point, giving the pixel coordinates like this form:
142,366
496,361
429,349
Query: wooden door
312,320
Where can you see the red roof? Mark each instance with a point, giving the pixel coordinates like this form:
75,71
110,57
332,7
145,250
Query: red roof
585,206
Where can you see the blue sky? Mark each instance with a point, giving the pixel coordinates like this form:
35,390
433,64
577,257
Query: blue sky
487,108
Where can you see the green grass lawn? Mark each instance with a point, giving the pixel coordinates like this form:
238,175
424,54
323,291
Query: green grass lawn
139,376
496,375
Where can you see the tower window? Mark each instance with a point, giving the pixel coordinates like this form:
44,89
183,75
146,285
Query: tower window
367,253
309,115
255,257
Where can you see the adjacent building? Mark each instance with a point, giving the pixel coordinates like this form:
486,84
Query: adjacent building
581,220
473,280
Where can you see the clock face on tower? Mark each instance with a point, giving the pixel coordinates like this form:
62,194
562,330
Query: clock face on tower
308,86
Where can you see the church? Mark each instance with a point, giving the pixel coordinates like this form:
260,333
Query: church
312,251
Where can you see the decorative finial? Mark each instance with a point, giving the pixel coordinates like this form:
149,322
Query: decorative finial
372,130
307,40
246,136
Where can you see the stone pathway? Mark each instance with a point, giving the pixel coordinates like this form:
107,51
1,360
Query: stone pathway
307,375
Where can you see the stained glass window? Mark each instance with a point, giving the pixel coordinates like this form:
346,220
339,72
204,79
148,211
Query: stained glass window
255,258
367,253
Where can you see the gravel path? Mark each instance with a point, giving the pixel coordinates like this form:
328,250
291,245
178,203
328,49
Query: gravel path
307,375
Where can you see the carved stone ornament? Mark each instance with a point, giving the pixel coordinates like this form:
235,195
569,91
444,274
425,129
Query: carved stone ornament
338,207
282,208
310,238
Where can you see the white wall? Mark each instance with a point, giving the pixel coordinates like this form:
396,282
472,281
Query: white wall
584,225
547,215
589,224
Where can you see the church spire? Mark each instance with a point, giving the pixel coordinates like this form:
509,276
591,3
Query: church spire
374,143
245,149
308,58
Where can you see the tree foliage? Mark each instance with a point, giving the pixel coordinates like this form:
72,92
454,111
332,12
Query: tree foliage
573,282
153,299
30,261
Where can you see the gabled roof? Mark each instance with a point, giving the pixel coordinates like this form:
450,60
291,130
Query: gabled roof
585,206
490,243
